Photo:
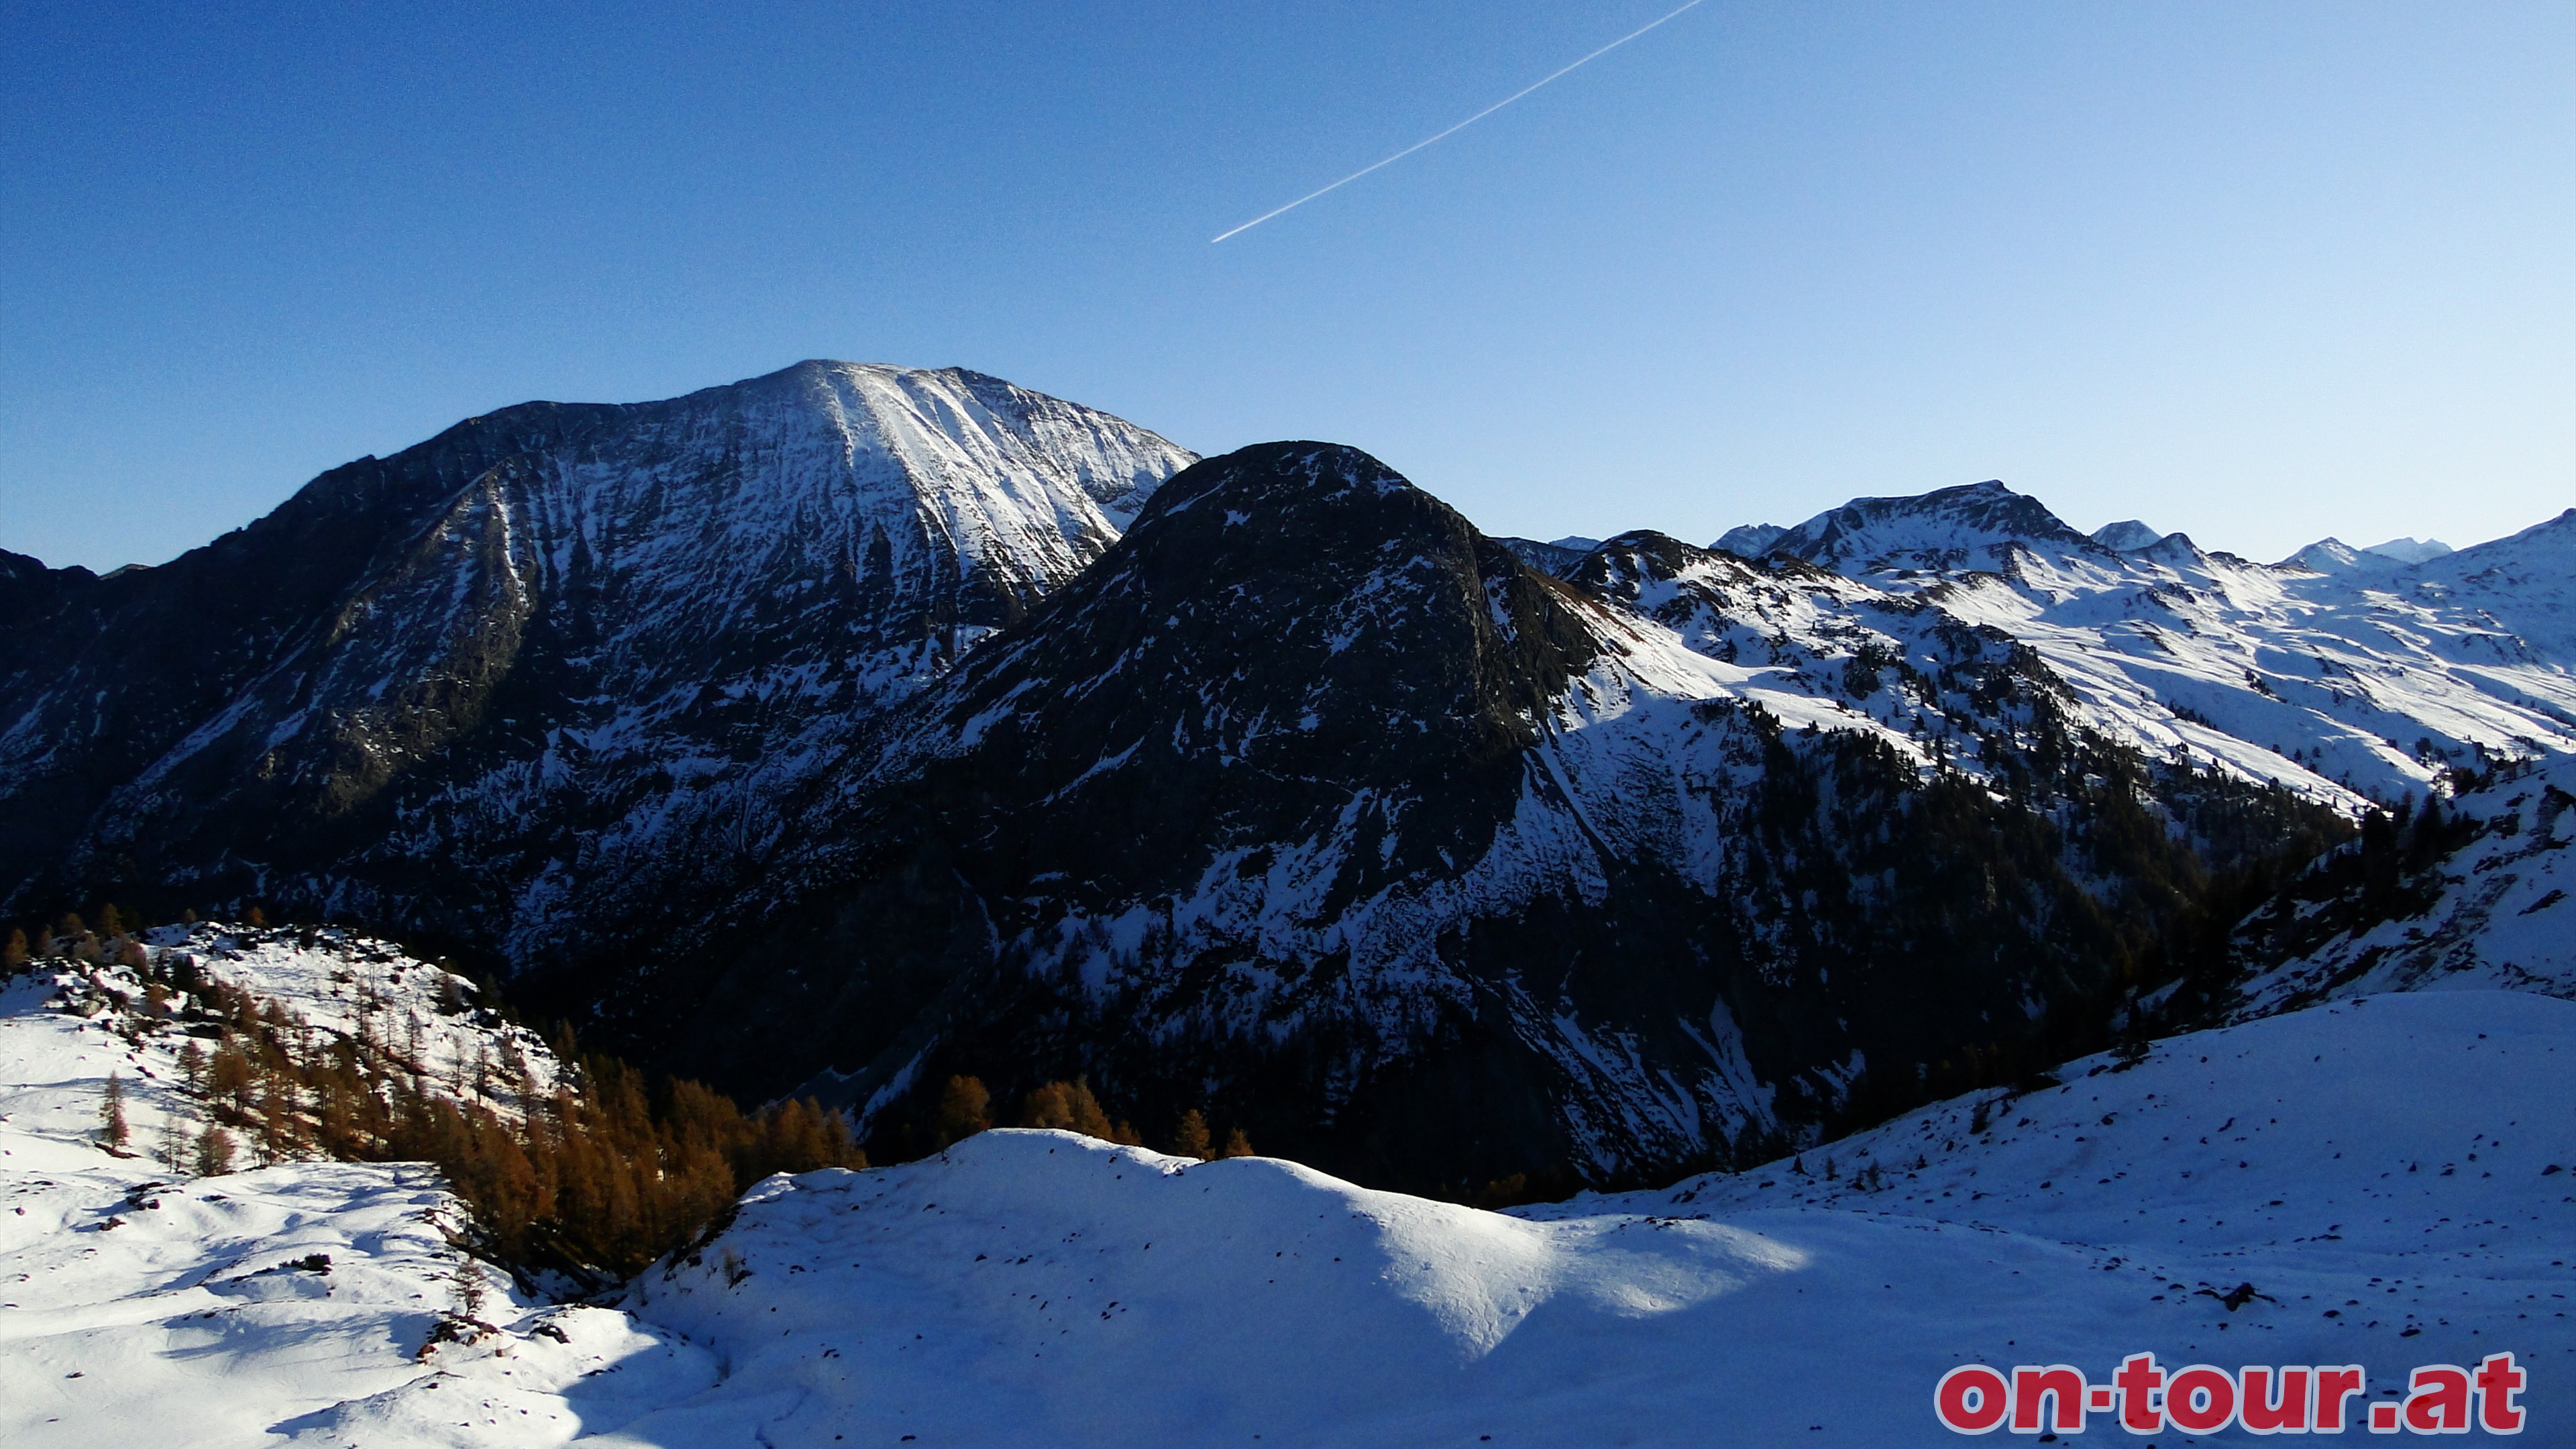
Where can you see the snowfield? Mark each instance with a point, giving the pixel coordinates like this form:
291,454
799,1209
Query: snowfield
2383,1180
2346,675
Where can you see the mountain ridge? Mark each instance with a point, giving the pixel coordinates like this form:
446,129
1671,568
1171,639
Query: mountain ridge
522,606
851,727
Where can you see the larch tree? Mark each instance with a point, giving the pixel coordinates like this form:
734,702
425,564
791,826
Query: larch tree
214,1152
1088,1118
1047,1106
176,1141
1190,1138
964,1110
112,1130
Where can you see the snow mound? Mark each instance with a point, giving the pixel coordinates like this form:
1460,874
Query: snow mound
1117,1296
1040,1287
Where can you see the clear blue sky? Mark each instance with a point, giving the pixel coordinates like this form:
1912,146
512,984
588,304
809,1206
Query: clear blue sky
2259,271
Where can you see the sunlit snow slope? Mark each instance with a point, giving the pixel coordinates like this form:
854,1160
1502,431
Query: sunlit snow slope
2338,672
1031,1288
142,1305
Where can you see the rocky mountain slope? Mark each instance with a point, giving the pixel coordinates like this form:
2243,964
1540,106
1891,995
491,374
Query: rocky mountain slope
1310,803
558,665
2476,896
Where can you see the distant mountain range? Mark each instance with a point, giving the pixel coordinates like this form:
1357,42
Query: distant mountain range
849,727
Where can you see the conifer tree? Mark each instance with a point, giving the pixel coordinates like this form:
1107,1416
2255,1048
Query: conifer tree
192,1064
466,1283
255,918
1190,1138
1088,1118
1236,1144
279,1122
13,953
231,1079
110,923
214,1152
1048,1106
112,1130
964,1110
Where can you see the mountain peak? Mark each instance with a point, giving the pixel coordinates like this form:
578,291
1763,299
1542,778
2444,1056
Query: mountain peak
2126,536
1278,476
2334,556
2411,550
1749,540
1971,525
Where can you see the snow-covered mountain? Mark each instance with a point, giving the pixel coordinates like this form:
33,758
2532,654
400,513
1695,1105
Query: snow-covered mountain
559,665
2339,673
1309,803
850,727
2126,535
2412,550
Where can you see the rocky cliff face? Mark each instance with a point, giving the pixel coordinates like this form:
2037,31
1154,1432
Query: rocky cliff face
559,665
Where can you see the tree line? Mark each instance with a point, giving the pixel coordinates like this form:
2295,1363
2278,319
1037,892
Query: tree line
597,1173
965,1107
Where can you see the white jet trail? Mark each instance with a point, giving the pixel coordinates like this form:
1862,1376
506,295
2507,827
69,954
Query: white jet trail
1453,130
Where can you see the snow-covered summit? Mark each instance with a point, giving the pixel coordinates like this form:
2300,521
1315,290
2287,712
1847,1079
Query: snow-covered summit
1749,540
2334,556
1971,527
2412,550
2126,535
2339,672
560,664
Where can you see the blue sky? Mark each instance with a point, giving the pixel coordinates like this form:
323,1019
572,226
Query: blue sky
2262,272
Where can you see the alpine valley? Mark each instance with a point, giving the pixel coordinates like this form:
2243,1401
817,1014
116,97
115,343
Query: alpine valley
848,729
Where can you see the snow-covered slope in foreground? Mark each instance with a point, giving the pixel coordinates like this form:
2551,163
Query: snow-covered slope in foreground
141,1306
1032,1288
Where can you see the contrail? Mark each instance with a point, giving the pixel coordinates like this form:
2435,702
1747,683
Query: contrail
1453,130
